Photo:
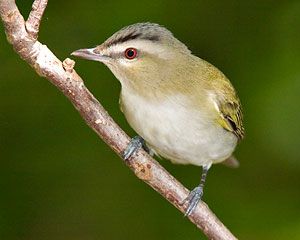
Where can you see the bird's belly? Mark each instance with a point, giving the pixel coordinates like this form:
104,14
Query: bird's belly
177,132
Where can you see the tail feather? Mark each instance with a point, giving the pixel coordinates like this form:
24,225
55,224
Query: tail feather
231,162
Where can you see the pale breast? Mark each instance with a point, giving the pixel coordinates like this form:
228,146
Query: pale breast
177,131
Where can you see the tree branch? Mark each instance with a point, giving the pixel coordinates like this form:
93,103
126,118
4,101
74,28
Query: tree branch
23,36
35,16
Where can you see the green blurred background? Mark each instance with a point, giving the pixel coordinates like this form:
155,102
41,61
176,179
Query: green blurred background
59,181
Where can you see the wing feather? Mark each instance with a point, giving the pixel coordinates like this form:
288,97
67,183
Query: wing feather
229,108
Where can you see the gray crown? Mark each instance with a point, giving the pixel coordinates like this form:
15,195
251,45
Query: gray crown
144,31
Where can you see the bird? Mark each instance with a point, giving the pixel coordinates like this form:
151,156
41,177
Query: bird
183,108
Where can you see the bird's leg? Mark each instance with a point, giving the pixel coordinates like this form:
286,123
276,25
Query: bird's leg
196,194
135,144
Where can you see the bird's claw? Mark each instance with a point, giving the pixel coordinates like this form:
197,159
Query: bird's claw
193,199
135,144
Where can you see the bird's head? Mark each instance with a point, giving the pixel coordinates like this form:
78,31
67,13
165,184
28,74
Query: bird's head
139,54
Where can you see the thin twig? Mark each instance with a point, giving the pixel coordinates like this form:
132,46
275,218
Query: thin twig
23,37
35,16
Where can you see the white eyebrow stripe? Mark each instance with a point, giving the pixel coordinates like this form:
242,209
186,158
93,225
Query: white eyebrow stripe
141,45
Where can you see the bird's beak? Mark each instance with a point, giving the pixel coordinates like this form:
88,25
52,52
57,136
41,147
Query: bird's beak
91,54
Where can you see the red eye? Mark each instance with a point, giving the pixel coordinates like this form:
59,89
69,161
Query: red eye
130,53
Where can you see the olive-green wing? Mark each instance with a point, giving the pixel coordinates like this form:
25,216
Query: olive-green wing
229,107
231,118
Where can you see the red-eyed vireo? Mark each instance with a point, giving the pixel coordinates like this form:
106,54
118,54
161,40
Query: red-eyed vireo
183,107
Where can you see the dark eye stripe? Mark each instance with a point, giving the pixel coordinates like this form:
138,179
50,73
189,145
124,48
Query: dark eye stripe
132,36
129,37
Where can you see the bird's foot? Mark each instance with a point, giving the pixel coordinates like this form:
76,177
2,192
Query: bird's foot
193,199
135,144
